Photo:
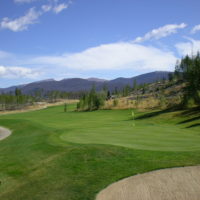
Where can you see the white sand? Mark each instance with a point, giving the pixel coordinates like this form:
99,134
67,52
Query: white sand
4,133
167,184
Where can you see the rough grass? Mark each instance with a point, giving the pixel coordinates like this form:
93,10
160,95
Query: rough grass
47,157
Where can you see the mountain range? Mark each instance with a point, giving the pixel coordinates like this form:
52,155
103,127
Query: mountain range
79,84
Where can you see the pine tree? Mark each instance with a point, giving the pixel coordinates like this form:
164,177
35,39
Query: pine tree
188,70
65,107
134,85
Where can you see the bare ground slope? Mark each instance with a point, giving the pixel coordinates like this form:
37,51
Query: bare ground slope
167,184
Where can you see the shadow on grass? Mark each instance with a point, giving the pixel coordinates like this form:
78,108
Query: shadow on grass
189,120
156,113
193,113
193,125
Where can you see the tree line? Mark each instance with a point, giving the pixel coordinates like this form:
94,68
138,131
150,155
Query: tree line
92,100
188,71
15,101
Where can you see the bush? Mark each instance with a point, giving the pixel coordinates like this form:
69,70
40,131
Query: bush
163,101
115,102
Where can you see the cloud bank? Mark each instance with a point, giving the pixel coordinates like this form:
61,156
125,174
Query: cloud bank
130,56
115,56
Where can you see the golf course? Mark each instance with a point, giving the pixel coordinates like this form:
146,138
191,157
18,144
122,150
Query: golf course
52,154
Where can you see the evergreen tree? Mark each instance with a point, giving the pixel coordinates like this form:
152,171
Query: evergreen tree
18,92
91,101
116,92
170,77
65,107
108,95
126,90
105,87
135,85
188,70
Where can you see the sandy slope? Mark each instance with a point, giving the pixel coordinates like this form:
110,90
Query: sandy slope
168,184
4,133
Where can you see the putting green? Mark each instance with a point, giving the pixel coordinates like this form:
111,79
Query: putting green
117,128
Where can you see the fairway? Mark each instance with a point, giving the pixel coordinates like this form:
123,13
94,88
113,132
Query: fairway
74,155
116,127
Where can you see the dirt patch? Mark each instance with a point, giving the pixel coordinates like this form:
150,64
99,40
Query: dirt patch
4,133
38,106
168,184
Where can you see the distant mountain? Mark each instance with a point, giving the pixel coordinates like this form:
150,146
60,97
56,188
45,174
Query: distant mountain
45,80
11,89
143,78
97,79
79,84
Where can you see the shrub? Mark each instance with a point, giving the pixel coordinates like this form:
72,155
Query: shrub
115,102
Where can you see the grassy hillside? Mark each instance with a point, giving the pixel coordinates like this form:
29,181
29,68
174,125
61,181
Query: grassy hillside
158,95
73,155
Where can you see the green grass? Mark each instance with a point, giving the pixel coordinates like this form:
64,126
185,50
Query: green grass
73,155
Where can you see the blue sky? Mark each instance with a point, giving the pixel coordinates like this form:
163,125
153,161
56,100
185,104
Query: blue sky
41,39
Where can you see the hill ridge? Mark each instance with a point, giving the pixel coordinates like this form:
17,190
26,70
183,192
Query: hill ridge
80,84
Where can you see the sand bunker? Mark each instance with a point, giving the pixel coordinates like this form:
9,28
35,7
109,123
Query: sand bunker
167,184
4,133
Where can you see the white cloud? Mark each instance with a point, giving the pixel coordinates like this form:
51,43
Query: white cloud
46,8
161,32
31,17
116,56
24,1
60,7
17,72
195,29
4,54
56,8
21,23
188,48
